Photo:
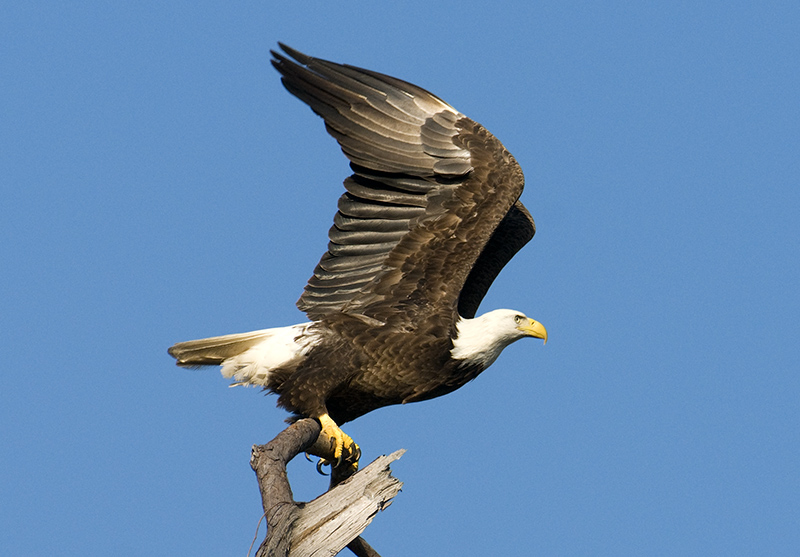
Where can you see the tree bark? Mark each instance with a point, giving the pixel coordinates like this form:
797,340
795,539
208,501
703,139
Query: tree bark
324,526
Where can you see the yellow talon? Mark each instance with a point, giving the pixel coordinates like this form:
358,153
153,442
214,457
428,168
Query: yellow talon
343,446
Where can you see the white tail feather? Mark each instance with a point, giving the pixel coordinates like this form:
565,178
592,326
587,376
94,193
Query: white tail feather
248,358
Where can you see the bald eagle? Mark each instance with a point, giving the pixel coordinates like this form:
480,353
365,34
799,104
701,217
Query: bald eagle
429,217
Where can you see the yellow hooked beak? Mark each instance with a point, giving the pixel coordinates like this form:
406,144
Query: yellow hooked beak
534,329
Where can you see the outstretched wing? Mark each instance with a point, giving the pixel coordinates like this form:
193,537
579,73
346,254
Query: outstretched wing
514,231
430,188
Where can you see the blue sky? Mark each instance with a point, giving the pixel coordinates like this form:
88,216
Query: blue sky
158,185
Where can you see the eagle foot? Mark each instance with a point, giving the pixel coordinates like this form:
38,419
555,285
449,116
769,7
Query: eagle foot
335,447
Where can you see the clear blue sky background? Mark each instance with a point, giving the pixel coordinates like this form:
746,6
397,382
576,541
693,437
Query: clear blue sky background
158,185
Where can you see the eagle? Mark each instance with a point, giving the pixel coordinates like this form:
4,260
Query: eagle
429,217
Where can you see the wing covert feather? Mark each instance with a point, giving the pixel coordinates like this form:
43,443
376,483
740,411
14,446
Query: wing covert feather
430,188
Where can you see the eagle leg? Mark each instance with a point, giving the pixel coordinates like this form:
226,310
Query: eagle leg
339,447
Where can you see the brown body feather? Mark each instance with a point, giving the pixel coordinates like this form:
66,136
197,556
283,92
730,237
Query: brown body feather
358,368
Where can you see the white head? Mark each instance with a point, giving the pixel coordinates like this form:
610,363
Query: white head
481,340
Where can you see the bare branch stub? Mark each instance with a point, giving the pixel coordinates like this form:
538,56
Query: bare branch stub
312,529
269,463
361,548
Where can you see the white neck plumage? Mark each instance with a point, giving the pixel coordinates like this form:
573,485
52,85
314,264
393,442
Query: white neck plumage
481,340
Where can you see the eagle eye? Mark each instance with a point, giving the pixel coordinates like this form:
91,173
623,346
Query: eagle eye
517,319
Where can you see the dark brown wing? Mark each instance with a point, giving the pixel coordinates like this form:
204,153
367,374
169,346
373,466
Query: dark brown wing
514,231
429,188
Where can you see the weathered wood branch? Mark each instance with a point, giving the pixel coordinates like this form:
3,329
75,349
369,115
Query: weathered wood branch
324,526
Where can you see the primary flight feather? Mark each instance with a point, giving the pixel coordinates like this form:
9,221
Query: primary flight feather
429,217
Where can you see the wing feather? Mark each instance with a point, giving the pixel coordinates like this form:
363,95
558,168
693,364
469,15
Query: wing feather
431,195
514,231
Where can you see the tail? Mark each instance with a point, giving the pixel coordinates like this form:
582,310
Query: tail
215,350
249,358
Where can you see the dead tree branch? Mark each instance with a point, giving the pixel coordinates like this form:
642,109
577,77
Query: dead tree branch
324,526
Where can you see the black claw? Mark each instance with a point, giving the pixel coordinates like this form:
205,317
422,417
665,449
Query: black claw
355,456
320,464
308,457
